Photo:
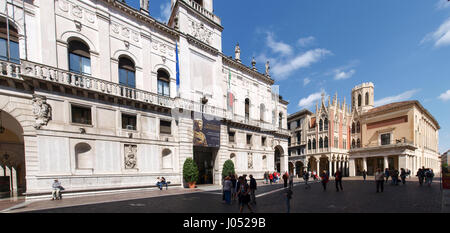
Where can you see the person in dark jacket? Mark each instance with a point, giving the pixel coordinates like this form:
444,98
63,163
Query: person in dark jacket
325,179
233,188
403,175
386,174
243,194
421,174
364,174
253,187
338,180
285,179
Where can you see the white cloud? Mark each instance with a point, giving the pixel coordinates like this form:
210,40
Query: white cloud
310,100
305,41
283,69
445,96
306,81
441,36
165,12
441,4
401,97
339,74
277,46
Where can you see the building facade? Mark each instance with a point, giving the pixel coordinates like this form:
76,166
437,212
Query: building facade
363,137
89,95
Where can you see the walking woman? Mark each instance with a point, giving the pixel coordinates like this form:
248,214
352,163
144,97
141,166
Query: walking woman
379,179
244,195
325,179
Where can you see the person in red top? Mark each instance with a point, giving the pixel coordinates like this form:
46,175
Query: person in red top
338,180
325,179
271,178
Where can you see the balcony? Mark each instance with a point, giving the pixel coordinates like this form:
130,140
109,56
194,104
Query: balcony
203,11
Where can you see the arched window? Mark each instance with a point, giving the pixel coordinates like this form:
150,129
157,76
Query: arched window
326,124
163,83
262,110
359,100
9,42
320,142
166,159
299,136
309,144
314,144
280,120
358,143
321,125
83,156
367,98
353,143
247,109
358,127
127,72
79,57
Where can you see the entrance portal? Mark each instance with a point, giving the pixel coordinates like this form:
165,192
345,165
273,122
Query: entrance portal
204,158
12,157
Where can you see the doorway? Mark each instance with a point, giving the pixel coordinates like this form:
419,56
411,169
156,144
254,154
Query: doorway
205,160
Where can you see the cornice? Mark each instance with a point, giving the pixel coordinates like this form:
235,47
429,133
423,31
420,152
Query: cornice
200,44
242,67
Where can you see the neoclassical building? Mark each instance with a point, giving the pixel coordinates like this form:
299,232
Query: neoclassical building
102,96
363,137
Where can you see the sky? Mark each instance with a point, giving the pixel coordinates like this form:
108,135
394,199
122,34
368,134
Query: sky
330,46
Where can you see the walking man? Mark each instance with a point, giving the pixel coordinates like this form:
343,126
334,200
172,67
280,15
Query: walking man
386,174
285,179
306,178
325,179
243,194
403,175
364,174
338,180
420,174
379,179
252,189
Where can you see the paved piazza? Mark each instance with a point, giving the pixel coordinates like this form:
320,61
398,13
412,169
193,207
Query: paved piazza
357,197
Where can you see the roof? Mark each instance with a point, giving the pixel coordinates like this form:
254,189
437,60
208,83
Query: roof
392,106
299,113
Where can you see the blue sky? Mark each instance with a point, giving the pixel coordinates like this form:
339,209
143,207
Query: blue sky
402,46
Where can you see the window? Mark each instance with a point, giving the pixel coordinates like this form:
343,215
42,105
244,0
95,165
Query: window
128,122
79,58
165,127
299,136
325,142
326,124
298,123
386,139
367,98
289,141
289,126
81,115
200,2
262,110
231,136
127,72
321,125
353,143
163,83
298,151
320,143
13,54
247,110
344,144
358,127
249,139
359,100
353,127
314,144
280,119
263,141
358,143
309,144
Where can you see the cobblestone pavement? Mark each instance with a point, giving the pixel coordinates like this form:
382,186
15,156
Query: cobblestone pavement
357,197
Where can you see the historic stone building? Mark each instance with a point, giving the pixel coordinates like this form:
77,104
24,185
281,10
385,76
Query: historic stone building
363,137
89,95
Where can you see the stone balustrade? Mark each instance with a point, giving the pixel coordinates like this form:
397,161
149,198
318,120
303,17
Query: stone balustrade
203,11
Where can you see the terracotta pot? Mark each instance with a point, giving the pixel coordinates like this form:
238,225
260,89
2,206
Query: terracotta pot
192,185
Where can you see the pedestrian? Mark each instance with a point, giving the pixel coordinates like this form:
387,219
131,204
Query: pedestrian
420,174
379,179
386,174
285,180
395,174
233,187
227,187
266,177
429,176
288,199
364,174
338,180
253,187
244,195
403,175
325,179
271,178
306,178
291,181
314,175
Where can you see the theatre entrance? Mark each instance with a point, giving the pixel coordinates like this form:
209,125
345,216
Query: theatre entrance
204,158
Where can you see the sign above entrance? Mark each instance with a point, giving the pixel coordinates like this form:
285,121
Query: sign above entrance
207,132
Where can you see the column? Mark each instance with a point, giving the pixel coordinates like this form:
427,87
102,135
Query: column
330,165
365,164
8,173
334,166
386,163
318,166
14,179
2,171
352,167
294,170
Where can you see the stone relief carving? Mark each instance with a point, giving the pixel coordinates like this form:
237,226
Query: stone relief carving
90,17
130,156
77,11
250,161
125,32
115,28
200,32
63,5
42,111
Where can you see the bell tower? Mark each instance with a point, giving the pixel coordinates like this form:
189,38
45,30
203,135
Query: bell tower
363,97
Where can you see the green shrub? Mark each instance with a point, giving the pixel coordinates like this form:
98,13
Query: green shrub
228,168
190,171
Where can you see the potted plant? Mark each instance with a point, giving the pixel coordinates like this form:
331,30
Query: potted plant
228,168
190,172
